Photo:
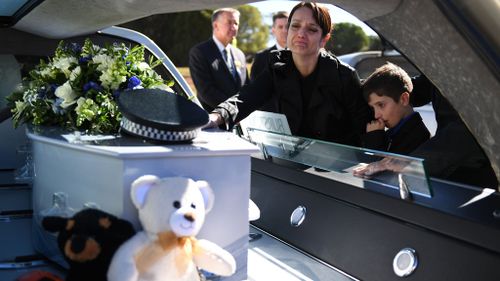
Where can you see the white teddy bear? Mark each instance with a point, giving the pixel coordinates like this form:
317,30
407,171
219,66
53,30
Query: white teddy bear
171,211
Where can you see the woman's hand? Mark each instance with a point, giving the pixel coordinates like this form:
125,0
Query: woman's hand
374,125
214,121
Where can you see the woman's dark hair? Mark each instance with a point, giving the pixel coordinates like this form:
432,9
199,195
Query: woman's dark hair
320,14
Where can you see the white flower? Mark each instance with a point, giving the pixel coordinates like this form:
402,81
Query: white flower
97,48
20,106
30,96
100,69
64,63
79,103
75,73
143,66
46,72
103,61
66,93
111,79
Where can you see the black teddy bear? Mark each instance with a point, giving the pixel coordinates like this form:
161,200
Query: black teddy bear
88,241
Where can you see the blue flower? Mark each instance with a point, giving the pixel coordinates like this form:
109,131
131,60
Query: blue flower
91,85
87,89
75,47
52,88
84,59
42,92
134,82
56,107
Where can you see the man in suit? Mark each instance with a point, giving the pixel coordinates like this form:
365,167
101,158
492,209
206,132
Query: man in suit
218,69
279,30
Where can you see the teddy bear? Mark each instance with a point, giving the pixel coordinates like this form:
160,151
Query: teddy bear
171,211
88,241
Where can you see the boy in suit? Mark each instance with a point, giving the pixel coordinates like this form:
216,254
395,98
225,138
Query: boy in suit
217,68
387,91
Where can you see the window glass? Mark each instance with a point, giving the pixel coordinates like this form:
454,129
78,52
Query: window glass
9,7
407,173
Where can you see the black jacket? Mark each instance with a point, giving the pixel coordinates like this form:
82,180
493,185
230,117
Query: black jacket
408,137
336,111
260,62
453,153
213,80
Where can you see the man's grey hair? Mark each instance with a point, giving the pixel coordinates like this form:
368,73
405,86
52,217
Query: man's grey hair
220,11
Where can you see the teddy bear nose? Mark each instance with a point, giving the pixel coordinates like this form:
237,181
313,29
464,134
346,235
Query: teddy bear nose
190,217
77,244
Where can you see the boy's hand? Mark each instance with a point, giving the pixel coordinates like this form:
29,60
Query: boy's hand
374,125
387,164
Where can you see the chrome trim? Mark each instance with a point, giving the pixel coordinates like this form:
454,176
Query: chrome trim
298,216
306,254
410,267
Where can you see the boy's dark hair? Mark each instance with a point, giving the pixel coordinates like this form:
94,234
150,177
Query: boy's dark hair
280,15
388,80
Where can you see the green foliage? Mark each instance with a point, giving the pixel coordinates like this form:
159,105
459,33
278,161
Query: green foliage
175,33
76,88
375,43
253,34
347,38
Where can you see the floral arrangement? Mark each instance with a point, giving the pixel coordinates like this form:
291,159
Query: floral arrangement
78,87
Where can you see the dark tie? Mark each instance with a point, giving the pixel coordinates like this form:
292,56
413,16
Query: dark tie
230,64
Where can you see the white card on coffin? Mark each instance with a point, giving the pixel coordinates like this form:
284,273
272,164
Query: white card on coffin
266,121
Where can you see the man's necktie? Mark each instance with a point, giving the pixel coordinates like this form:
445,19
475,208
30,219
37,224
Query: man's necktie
230,64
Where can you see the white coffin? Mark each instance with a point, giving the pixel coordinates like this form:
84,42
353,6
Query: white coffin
100,172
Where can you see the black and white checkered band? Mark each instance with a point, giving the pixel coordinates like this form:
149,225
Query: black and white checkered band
157,134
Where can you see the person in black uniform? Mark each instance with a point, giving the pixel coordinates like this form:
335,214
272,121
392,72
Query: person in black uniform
387,90
453,152
319,95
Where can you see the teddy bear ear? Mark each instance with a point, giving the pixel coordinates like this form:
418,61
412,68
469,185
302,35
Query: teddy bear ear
208,194
140,188
54,224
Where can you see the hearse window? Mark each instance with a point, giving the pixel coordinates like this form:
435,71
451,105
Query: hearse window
366,66
339,162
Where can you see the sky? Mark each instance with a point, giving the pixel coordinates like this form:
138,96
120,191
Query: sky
267,8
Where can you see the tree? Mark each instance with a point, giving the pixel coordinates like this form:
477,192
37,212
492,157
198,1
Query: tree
347,38
375,43
175,33
252,34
